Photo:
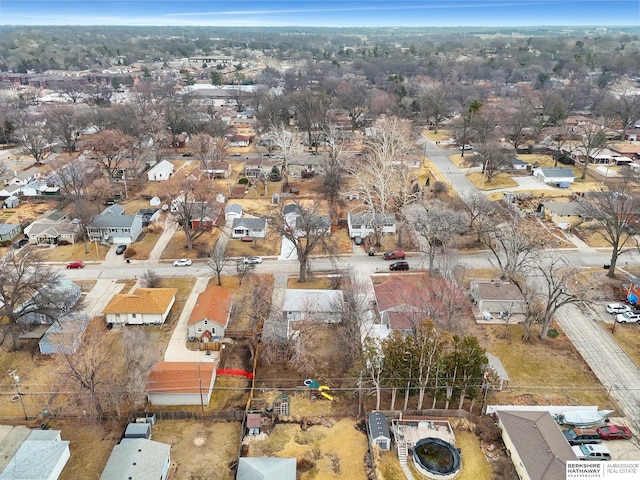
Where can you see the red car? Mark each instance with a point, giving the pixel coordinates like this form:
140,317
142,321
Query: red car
614,432
75,265
394,255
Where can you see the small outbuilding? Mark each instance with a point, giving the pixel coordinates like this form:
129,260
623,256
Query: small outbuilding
379,430
138,430
559,176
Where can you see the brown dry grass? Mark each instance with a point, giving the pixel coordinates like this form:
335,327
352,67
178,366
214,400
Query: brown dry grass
315,283
335,452
388,467
176,248
542,372
628,337
74,253
28,212
85,285
590,233
268,246
145,245
474,463
437,137
90,445
200,449
502,180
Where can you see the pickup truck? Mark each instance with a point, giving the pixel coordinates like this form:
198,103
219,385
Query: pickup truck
394,255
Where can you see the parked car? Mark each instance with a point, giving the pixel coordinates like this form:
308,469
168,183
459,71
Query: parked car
75,265
394,255
618,308
120,250
187,154
466,146
252,260
399,266
183,262
582,436
20,243
592,452
628,317
111,201
614,432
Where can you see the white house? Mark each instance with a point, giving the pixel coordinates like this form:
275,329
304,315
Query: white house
211,313
181,383
232,211
559,176
145,306
121,229
53,228
138,458
249,227
362,224
313,305
161,171
21,177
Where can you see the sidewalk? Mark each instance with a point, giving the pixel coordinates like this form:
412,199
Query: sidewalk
170,228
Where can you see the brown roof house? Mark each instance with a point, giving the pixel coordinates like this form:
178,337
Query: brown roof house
400,304
145,306
496,296
211,313
536,444
181,383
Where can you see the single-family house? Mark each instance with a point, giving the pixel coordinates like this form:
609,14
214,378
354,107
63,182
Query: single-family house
145,306
232,211
363,224
211,313
138,458
290,214
401,305
51,302
536,445
311,305
64,335
9,231
206,216
161,171
500,375
249,227
496,296
21,177
11,201
263,468
181,383
220,170
253,168
32,454
563,214
632,134
559,176
238,140
631,150
121,229
316,225
304,164
37,188
517,164
10,190
53,228
379,430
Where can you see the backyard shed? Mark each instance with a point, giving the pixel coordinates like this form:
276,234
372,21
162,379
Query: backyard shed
138,430
379,430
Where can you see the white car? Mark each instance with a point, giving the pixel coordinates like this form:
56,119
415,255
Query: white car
252,260
628,317
466,146
183,262
618,308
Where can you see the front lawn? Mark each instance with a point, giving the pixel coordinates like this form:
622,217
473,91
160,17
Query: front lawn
502,180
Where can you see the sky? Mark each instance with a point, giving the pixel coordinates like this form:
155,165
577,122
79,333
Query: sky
326,13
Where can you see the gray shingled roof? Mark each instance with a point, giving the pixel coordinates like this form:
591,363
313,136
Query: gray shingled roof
266,468
112,221
378,425
250,223
138,459
6,228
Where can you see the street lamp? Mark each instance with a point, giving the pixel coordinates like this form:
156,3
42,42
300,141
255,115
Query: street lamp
16,379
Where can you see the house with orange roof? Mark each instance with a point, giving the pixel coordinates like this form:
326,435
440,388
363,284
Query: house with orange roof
181,383
210,316
145,306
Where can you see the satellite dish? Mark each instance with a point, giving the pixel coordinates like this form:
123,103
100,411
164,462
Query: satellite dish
155,201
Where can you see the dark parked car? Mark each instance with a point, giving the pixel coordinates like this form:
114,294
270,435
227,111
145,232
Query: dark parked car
120,250
399,266
394,255
20,243
582,436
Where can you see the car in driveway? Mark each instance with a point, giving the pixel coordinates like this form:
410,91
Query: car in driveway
394,255
628,317
183,262
75,265
614,432
466,146
592,452
252,260
120,250
617,308
582,436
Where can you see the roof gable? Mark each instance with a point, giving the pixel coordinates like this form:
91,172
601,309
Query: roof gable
252,468
142,300
214,304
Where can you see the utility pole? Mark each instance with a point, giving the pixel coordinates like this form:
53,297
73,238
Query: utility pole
16,379
200,384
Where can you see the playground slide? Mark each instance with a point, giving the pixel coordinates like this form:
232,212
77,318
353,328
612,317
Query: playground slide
321,391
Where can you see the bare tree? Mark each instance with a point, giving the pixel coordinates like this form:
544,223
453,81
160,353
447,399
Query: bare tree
254,304
560,287
439,225
512,246
613,213
65,124
150,279
36,140
333,167
140,354
218,260
110,148
244,271
353,98
373,365
436,103
483,214
354,310
491,158
592,141
307,230
28,286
